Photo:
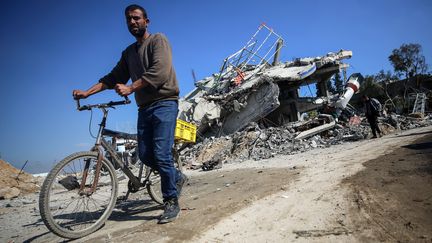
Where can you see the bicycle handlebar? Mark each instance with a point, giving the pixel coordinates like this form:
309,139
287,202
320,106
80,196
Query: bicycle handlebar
102,105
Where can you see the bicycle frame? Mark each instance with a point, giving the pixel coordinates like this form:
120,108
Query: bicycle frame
102,145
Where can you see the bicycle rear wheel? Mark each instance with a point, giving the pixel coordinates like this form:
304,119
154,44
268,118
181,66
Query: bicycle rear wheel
65,211
154,185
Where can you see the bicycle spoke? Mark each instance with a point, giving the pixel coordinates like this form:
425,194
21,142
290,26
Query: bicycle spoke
76,207
69,166
83,213
75,169
95,203
63,208
91,214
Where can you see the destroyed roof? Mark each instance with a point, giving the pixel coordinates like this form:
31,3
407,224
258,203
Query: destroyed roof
303,68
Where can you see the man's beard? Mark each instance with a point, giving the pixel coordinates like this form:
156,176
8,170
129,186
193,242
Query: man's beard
138,33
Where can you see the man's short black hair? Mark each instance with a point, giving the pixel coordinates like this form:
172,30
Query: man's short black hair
133,7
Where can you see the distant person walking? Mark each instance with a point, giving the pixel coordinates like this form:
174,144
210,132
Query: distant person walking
372,108
148,63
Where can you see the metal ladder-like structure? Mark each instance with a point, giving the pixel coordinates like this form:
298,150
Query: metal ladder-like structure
419,103
257,52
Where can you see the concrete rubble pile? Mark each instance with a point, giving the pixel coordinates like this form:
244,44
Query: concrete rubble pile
411,121
255,143
251,108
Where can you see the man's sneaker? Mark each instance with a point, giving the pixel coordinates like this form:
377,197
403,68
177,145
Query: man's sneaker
171,211
179,184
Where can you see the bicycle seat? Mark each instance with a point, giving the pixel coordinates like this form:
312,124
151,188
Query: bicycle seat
117,134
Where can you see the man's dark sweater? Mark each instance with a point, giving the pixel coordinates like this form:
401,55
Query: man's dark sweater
150,61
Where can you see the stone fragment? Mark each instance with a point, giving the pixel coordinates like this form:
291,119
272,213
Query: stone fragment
9,192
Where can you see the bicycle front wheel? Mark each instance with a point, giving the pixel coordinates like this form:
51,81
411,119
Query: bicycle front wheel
65,210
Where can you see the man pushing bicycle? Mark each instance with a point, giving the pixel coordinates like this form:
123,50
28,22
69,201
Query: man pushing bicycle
148,63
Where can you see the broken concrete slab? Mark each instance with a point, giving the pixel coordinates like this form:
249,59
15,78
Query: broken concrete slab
294,73
204,109
316,130
259,104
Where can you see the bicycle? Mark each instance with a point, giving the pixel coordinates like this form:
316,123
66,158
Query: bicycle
80,192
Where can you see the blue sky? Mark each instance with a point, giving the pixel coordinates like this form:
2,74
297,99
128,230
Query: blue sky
49,48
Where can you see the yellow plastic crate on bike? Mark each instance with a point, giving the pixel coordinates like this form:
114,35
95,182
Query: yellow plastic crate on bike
185,131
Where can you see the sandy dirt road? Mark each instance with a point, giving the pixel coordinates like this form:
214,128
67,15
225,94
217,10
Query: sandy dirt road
372,190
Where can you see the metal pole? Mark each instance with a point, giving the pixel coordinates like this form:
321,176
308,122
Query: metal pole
278,48
21,170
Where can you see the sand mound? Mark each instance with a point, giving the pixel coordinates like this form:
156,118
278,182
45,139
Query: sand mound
13,184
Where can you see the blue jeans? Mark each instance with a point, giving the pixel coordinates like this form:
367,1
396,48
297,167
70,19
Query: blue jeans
156,126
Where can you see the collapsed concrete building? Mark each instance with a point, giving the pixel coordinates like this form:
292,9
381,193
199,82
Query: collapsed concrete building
251,108
253,85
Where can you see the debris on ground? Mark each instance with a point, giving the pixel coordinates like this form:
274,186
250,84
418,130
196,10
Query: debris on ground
257,143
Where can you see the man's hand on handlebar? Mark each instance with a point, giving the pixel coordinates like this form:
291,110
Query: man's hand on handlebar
80,94
123,90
